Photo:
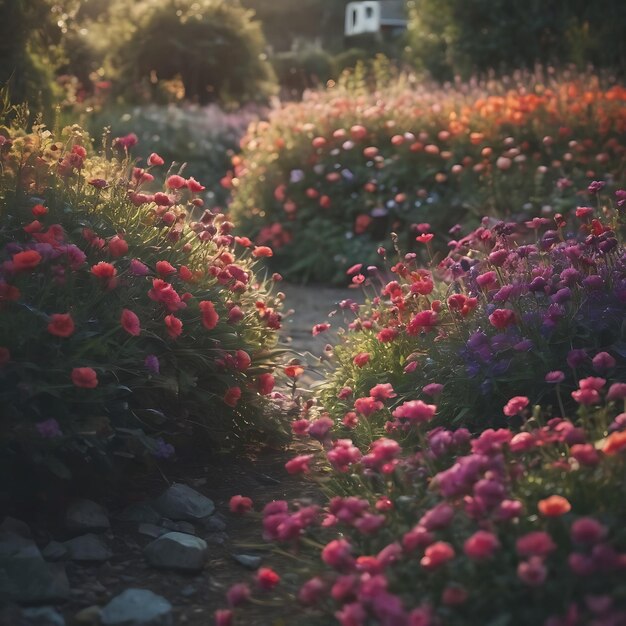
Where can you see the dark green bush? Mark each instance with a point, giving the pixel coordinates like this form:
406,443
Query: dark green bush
213,46
464,36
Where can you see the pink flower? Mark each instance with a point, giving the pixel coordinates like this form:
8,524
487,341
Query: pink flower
587,530
85,377
265,384
515,405
481,545
532,572
117,246
617,391
422,321
433,389
343,454
319,428
438,517
415,410
592,382
436,555
155,159
338,555
312,592
240,504
603,362
137,268
130,322
383,391
502,318
585,454
555,377
369,523
210,318
299,464
387,335
174,326
586,397
417,537
223,617
537,543
165,268
367,406
238,594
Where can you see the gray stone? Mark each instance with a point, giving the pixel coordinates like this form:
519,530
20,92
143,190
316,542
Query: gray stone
152,530
218,539
25,577
42,616
54,551
88,548
86,516
179,527
137,607
214,524
177,551
188,591
180,502
247,560
141,512
10,524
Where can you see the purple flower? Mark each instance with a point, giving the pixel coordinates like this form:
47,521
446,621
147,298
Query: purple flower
137,268
596,186
555,377
163,450
49,429
152,364
576,358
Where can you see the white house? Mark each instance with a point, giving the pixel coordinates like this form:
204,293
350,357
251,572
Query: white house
375,17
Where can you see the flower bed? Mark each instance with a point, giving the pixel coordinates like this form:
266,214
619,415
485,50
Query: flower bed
122,322
326,179
472,440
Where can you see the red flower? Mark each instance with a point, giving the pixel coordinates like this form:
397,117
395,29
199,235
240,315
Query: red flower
265,384
117,246
223,617
164,268
130,322
267,578
422,321
61,325
319,328
262,251
361,359
481,545
436,555
294,371
174,326
232,396
424,237
155,159
85,377
103,270
8,293
194,186
27,260
209,315
538,543
299,464
240,504
166,294
175,182
387,334
502,318
39,210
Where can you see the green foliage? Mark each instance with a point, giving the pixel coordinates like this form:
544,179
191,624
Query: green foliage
213,46
459,36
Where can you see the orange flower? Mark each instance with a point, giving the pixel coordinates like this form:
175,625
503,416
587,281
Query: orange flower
61,325
262,251
27,260
554,506
294,371
85,377
616,442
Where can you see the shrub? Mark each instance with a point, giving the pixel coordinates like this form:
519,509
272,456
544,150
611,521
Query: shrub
122,323
299,70
214,46
329,178
501,315
454,36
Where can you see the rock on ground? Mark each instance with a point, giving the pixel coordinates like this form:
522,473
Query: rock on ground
137,607
180,502
177,551
88,548
84,516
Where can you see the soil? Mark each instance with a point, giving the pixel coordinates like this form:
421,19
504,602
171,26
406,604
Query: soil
257,474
